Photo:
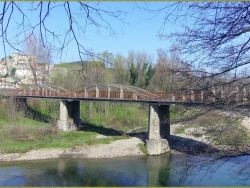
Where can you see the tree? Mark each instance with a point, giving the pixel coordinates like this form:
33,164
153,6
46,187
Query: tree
214,39
133,74
215,35
121,70
140,69
149,74
15,17
13,71
171,73
107,58
95,73
39,58
161,78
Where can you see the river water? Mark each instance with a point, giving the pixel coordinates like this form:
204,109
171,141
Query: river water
173,169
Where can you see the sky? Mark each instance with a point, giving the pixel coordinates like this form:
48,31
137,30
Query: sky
139,34
137,31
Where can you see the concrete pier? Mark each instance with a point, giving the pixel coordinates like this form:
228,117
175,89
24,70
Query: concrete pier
158,129
69,118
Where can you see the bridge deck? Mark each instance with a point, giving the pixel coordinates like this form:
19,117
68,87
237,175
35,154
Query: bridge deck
160,102
123,93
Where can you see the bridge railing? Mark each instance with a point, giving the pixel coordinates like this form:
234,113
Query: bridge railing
221,94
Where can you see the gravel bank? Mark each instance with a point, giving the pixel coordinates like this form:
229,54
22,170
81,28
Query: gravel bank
119,148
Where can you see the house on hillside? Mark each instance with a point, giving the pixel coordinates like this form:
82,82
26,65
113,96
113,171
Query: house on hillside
25,68
3,68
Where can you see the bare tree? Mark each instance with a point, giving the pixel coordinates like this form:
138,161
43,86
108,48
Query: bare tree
121,70
15,22
39,58
215,35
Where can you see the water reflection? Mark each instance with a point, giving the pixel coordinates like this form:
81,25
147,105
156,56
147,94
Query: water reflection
164,170
158,170
126,172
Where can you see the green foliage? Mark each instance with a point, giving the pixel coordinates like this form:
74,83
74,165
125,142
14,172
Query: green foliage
177,111
37,138
13,71
121,117
149,74
21,134
133,74
43,109
141,76
143,148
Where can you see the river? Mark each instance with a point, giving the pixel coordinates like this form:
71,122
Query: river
173,169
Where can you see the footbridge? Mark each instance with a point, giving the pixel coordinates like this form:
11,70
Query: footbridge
159,104
113,92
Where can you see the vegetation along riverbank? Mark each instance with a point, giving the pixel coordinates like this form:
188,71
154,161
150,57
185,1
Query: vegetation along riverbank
114,130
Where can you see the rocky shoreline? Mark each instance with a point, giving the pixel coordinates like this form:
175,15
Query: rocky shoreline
118,148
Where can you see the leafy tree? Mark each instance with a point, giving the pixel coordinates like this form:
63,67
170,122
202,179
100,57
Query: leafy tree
149,74
139,64
13,71
133,74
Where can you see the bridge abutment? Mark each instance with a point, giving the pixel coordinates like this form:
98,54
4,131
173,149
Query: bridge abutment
69,117
158,129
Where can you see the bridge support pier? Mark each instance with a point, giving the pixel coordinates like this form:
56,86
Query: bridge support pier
158,129
69,115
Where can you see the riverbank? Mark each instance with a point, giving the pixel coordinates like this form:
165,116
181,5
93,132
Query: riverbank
121,148
195,140
118,148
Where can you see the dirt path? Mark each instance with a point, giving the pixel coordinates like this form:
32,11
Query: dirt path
119,148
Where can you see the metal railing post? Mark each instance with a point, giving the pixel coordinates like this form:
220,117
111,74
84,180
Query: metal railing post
96,92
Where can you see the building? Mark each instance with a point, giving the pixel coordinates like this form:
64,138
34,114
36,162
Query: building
3,68
25,69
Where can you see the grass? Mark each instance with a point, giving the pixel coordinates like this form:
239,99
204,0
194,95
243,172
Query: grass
142,148
30,140
121,117
21,133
